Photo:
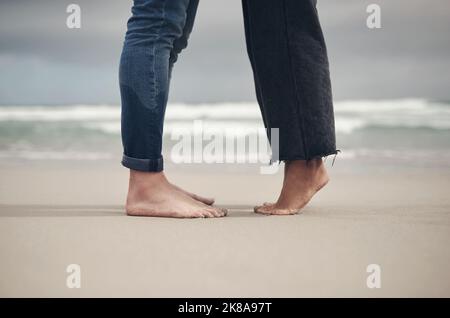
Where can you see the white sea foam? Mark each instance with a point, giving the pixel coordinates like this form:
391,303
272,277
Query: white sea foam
55,155
238,128
350,115
59,113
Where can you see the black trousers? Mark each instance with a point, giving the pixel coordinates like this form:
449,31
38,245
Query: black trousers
290,65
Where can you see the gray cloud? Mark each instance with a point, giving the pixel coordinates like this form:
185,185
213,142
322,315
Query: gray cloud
44,62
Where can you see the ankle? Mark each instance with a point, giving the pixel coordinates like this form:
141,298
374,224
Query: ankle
147,177
313,171
305,165
140,180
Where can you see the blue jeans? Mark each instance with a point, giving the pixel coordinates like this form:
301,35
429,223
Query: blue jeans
288,56
158,31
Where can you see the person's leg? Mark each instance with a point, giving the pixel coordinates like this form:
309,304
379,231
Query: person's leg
181,43
178,45
248,41
144,77
291,66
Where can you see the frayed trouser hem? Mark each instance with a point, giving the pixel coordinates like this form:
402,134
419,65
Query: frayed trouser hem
324,155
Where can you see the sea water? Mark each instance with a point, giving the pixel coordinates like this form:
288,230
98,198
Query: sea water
402,131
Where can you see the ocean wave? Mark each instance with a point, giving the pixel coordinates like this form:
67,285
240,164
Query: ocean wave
59,113
408,105
350,115
419,156
110,112
235,128
55,155
343,126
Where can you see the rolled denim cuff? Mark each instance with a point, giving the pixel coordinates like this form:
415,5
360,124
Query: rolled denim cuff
146,165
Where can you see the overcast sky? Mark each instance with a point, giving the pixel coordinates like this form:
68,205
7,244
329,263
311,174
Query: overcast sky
44,62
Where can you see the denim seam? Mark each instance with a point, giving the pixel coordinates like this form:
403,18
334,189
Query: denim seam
297,97
158,37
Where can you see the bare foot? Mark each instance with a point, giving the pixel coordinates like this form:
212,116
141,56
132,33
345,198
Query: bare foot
151,194
302,180
208,201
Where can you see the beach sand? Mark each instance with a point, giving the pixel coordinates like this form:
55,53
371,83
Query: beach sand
53,215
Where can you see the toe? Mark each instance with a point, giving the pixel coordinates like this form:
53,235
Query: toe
263,209
195,215
221,212
208,214
285,211
217,212
224,211
257,208
213,212
265,204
